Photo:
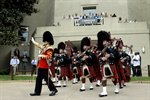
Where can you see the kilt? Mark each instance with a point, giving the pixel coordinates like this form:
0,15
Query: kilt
127,72
120,71
75,70
64,71
98,73
70,73
113,69
90,71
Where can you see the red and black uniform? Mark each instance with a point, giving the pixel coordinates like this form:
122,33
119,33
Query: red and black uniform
87,60
44,62
107,62
111,62
76,70
43,72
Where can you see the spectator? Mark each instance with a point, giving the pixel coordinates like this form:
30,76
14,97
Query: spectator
114,15
34,64
137,65
17,52
25,53
14,64
24,64
120,20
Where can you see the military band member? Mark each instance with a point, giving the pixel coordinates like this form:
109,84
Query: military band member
96,66
62,62
122,64
87,63
44,64
76,63
106,58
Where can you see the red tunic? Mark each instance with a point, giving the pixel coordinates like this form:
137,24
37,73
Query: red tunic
43,60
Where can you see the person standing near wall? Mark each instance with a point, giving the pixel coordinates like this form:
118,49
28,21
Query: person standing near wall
24,64
44,64
14,62
17,53
137,65
34,64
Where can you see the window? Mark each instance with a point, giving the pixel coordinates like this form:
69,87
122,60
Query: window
23,33
89,10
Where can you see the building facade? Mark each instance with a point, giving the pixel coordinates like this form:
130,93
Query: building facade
54,15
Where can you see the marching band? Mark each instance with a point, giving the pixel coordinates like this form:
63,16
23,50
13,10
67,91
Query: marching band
100,62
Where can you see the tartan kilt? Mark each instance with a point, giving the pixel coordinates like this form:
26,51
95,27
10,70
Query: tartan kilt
70,73
76,71
91,71
127,72
79,71
113,69
120,71
64,71
97,71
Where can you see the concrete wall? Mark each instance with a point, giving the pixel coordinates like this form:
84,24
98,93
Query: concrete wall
136,34
139,10
45,17
66,7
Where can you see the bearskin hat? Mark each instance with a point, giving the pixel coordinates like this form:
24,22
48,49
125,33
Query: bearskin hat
119,43
61,45
85,41
47,36
75,49
56,50
102,36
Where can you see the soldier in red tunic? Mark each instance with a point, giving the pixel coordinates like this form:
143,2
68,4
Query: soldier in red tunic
44,64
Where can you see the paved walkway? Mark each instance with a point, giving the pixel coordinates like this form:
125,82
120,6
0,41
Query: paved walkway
19,90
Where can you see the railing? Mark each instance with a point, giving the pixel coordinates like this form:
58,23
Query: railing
83,22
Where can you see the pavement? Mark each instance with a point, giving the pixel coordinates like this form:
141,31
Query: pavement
20,90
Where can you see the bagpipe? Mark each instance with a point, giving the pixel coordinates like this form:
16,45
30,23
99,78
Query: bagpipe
61,59
105,65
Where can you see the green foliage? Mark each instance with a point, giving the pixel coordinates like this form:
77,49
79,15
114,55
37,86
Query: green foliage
12,13
4,73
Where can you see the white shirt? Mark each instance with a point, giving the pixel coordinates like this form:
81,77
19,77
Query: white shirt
131,55
136,60
34,62
14,61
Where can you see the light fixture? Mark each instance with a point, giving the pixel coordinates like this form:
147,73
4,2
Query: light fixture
143,49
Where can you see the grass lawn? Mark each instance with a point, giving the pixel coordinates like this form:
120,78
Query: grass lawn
140,79
8,78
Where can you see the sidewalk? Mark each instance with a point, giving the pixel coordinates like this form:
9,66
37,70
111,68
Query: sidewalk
19,90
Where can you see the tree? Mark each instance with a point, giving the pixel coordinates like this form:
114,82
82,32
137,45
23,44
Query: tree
12,13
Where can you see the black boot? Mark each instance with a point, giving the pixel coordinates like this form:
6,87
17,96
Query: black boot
53,93
34,94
